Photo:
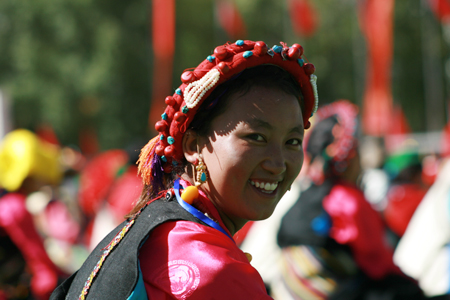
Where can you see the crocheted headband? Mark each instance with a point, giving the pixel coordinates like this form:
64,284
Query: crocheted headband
165,150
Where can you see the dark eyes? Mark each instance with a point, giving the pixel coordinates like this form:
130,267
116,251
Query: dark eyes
294,142
256,137
260,138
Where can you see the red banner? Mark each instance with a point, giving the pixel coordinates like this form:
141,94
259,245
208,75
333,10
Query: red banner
376,21
163,40
230,19
303,17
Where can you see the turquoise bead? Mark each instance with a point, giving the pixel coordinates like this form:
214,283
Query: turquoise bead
300,62
211,58
161,137
170,140
239,42
163,158
247,54
203,177
185,110
277,48
178,91
175,163
164,116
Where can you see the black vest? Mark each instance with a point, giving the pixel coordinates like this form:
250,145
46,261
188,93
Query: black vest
118,277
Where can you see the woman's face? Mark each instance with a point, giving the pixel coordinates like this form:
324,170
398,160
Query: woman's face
253,154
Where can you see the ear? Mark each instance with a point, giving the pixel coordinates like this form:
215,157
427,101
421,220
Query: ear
190,145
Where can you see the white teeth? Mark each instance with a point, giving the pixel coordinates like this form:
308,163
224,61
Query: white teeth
265,186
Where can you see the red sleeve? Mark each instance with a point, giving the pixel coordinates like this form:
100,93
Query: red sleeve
356,224
186,260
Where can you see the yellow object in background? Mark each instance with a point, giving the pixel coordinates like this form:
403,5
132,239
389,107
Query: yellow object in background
22,155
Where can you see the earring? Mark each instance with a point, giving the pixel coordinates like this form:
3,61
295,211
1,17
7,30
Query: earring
200,167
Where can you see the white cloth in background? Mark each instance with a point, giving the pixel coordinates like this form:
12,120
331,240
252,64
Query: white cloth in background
423,252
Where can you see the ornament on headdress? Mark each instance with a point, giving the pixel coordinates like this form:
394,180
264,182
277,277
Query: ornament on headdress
165,151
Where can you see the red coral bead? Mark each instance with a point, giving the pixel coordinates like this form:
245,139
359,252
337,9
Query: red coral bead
187,77
293,53
159,150
178,99
170,101
260,48
180,117
300,48
169,151
200,73
309,68
161,126
221,53
222,66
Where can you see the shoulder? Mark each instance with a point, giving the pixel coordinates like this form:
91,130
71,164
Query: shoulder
182,258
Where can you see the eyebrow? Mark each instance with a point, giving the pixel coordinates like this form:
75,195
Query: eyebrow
261,123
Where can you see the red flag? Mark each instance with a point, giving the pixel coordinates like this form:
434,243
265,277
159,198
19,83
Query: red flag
303,17
163,38
441,9
376,22
230,19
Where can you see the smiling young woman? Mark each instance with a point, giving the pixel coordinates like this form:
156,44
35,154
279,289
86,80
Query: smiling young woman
229,147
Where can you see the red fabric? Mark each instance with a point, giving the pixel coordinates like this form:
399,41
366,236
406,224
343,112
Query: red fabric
376,22
97,177
441,9
185,259
59,222
163,40
357,225
125,192
303,17
18,224
230,19
188,260
403,201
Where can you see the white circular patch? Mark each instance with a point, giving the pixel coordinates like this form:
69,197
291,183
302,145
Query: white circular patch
184,278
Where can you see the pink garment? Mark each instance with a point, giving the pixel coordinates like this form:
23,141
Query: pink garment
356,224
18,224
186,260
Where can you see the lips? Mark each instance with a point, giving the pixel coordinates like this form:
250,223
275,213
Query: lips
266,187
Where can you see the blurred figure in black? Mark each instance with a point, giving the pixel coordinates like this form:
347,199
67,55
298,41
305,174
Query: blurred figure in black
333,241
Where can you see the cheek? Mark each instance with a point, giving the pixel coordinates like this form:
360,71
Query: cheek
296,162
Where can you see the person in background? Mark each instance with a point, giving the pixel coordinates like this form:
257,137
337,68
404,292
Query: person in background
333,242
26,165
406,189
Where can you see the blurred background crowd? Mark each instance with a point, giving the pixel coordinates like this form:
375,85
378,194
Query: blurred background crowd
80,82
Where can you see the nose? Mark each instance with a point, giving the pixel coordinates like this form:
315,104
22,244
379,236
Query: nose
275,161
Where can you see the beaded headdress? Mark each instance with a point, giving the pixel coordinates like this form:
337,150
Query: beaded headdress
165,150
335,141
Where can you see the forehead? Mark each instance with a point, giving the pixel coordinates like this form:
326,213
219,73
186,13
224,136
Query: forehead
268,104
